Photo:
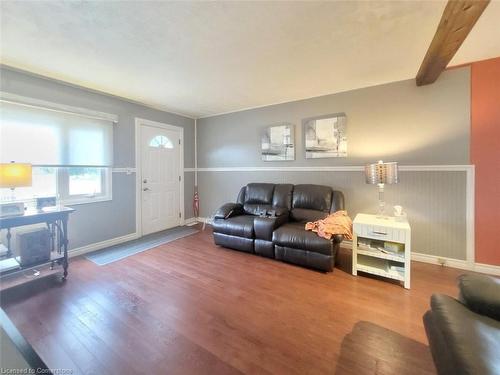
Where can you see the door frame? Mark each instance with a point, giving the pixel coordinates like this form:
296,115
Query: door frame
138,169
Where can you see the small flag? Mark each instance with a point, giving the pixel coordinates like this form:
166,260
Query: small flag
196,202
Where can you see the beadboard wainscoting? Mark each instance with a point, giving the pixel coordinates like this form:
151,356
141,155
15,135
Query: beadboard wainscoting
438,199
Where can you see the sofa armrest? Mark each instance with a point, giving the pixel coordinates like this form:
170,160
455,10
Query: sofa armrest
472,340
228,210
437,344
265,226
481,294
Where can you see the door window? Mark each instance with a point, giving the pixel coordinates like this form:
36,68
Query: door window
161,141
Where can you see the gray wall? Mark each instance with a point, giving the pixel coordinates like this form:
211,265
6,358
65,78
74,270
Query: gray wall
396,122
95,222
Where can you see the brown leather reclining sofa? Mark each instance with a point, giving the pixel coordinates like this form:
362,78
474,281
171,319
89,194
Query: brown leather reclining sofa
269,220
464,333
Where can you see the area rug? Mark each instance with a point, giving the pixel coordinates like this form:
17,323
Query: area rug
117,252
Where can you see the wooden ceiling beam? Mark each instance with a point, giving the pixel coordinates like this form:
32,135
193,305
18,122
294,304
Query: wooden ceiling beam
459,17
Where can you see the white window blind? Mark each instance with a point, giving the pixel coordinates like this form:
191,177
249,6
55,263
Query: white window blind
54,138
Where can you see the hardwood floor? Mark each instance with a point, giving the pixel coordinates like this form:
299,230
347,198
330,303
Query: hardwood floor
190,307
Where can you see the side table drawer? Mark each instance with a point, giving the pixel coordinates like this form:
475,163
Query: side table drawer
380,232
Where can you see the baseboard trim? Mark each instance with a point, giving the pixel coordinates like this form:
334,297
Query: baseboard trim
457,263
101,245
446,262
487,268
205,220
191,221
115,241
442,261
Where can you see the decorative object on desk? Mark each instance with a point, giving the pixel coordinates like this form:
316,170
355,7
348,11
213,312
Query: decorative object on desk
399,214
326,136
380,174
11,209
277,143
45,202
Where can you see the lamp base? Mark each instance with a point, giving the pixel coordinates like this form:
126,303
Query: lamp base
381,202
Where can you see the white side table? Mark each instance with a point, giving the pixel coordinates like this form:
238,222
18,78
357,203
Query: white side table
382,246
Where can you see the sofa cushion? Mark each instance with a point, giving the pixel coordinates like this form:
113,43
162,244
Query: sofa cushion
293,235
259,193
258,198
241,226
337,201
282,196
481,294
312,197
310,202
472,340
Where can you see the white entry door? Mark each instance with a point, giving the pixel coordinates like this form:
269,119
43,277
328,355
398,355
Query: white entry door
160,178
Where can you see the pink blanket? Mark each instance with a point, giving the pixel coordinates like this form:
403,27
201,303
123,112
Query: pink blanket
336,223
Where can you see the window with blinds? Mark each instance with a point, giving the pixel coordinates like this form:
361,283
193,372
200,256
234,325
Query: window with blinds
71,152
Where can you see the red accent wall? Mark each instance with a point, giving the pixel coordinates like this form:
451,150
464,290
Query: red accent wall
485,154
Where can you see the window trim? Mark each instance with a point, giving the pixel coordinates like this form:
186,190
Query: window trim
61,182
56,107
62,178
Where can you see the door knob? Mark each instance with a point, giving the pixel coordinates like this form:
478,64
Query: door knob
145,181
145,189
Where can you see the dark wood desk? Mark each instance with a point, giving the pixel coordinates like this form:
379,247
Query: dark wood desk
56,219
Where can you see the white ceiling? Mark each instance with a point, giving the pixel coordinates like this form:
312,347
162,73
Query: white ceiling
204,58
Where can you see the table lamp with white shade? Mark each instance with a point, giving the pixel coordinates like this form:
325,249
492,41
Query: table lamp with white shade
380,174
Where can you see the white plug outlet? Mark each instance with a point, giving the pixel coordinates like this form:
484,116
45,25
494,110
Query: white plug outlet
441,261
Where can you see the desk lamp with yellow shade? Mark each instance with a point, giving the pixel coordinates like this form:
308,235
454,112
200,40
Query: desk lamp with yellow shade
14,175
